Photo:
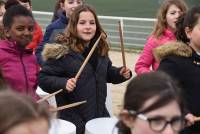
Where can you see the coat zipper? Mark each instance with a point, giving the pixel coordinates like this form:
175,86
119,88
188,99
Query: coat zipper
25,75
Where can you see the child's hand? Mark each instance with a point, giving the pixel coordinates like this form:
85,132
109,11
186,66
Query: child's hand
190,119
125,72
71,84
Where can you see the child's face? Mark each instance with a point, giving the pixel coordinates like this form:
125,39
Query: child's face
2,11
39,126
172,16
21,30
86,26
194,36
69,5
156,119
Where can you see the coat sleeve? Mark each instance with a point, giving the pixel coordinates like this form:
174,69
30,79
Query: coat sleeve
146,58
52,77
113,74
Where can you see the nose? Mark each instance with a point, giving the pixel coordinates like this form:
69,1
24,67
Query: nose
178,14
168,130
75,4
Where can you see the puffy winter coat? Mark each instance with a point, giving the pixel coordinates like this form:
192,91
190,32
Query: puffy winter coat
19,68
63,64
182,63
146,59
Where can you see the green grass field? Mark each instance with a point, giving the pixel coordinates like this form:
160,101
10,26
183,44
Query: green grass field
125,8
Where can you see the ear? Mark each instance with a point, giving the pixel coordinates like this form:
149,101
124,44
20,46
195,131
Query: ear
6,32
188,32
127,119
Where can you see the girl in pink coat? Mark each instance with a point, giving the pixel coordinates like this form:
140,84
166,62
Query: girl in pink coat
18,65
164,31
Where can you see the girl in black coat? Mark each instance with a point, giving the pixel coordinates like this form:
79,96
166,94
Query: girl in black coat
64,60
182,61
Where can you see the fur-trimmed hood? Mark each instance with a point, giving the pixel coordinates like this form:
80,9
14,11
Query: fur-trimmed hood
54,51
172,48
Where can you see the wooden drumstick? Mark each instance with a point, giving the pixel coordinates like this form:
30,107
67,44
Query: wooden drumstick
67,106
122,44
196,119
87,58
49,96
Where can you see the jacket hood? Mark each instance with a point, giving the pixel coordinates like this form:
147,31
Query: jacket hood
54,51
172,48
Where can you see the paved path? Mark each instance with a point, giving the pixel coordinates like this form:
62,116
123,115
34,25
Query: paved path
118,90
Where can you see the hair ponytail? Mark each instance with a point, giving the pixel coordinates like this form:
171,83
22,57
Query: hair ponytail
180,30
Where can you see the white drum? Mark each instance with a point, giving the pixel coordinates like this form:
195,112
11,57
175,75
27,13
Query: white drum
101,126
41,93
59,126
109,99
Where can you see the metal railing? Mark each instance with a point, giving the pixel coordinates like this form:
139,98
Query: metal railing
135,30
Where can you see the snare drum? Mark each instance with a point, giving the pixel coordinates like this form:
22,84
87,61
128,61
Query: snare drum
101,126
59,126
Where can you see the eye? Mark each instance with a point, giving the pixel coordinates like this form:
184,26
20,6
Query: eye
79,2
70,2
157,122
172,13
81,22
20,28
92,22
177,122
31,28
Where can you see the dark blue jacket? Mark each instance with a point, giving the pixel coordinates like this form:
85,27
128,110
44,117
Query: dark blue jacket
54,28
91,85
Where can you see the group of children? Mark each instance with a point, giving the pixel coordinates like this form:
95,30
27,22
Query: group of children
67,42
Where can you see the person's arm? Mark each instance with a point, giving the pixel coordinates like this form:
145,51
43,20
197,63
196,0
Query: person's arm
52,77
146,58
117,75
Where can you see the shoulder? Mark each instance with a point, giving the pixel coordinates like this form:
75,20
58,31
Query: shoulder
54,51
172,48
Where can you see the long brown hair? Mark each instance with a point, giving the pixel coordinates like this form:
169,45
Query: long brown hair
161,23
72,39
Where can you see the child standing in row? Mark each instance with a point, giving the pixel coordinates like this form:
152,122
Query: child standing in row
57,26
18,64
181,60
60,69
155,107
163,32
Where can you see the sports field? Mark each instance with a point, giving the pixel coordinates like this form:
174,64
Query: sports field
125,8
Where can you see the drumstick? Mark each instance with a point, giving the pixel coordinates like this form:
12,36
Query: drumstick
196,119
49,96
87,58
122,44
67,106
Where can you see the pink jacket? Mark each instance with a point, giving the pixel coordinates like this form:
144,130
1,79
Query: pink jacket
19,68
146,59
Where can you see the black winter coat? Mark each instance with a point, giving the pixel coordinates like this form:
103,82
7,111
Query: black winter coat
91,85
182,63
